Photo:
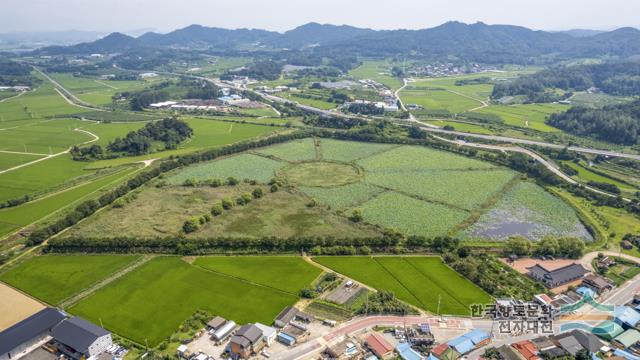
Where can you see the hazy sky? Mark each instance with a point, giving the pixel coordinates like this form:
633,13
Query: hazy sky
280,15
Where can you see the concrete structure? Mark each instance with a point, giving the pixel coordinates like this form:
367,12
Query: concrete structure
557,277
17,340
80,338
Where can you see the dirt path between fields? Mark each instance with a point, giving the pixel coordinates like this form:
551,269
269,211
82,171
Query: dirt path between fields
85,293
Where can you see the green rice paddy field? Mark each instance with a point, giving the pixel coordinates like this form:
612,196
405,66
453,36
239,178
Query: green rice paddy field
55,278
377,70
243,289
420,281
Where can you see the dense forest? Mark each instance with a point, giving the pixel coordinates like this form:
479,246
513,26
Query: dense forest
13,73
619,124
620,78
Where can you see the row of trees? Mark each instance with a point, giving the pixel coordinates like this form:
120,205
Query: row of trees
565,247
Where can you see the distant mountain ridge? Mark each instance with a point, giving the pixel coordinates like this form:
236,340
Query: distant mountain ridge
472,41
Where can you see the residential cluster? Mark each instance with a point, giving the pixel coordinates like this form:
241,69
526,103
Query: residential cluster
51,334
447,69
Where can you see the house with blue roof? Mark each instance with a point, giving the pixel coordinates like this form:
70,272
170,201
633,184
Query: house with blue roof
626,317
407,353
470,341
462,344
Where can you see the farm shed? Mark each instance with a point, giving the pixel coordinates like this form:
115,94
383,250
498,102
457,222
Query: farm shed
216,323
17,339
81,339
608,330
378,345
224,331
285,316
268,333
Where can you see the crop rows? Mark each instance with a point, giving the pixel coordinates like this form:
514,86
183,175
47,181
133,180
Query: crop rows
299,150
350,150
408,158
411,216
244,166
466,190
341,197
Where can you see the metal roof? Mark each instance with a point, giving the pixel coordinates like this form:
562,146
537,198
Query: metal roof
626,315
461,344
407,353
477,336
628,337
78,333
27,329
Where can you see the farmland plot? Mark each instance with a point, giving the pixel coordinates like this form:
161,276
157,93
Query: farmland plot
411,216
55,278
244,166
421,281
350,150
419,158
299,150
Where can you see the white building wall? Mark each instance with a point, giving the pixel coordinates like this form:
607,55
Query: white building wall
100,345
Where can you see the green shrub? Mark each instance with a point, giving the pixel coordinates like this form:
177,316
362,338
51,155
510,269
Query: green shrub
191,225
217,210
257,193
227,204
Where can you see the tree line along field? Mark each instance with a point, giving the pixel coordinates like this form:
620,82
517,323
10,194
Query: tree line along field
411,189
243,289
421,281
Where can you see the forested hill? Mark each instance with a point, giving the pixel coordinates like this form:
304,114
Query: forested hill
476,42
619,124
621,78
